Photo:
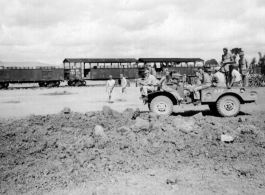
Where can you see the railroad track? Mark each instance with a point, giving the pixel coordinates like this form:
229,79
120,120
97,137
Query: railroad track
37,87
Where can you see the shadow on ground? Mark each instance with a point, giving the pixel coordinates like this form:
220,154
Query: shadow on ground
204,113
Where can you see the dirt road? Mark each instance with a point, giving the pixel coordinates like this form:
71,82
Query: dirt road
19,103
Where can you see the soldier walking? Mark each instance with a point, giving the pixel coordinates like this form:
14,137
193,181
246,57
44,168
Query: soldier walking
123,87
109,87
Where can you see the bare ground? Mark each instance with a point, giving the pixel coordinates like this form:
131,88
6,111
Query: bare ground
52,152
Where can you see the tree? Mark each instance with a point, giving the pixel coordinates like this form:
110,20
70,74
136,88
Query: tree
261,60
211,62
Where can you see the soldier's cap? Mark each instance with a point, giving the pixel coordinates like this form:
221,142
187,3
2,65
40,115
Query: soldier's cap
147,71
241,53
207,70
217,68
225,48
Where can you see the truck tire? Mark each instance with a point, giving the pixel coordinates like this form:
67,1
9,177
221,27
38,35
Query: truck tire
228,106
213,108
161,105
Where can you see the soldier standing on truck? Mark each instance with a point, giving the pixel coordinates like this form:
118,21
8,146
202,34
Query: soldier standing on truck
243,68
109,87
236,79
227,59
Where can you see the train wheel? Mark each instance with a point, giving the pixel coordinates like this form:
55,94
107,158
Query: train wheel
6,85
2,85
57,83
83,83
70,83
41,84
50,84
78,83
73,83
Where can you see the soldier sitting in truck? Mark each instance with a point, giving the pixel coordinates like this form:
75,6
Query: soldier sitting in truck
149,84
218,79
165,83
236,79
205,83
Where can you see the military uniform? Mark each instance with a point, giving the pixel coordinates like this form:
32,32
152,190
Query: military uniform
243,69
227,60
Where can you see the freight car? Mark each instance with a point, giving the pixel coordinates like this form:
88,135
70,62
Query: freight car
45,76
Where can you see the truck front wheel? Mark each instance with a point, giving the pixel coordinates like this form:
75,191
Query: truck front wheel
161,105
228,106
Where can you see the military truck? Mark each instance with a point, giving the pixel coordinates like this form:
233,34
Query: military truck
223,101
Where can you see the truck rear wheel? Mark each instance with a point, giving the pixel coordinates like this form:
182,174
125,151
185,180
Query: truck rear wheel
161,105
228,106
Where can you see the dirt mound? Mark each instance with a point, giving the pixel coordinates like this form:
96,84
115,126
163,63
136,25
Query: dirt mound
43,153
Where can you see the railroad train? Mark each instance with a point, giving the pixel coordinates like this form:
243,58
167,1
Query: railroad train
77,70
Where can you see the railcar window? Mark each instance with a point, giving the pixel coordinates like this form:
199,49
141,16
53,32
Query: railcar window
140,64
107,65
124,65
134,65
199,63
115,65
190,64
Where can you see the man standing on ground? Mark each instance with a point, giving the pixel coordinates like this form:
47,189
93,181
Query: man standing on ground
243,68
109,87
236,79
123,87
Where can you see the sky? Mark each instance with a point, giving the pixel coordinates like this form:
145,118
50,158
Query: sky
51,30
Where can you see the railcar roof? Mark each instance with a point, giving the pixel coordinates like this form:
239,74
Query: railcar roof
170,60
101,60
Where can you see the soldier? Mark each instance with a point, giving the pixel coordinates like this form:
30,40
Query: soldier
243,68
236,79
149,83
218,79
227,59
163,83
123,87
109,87
206,82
